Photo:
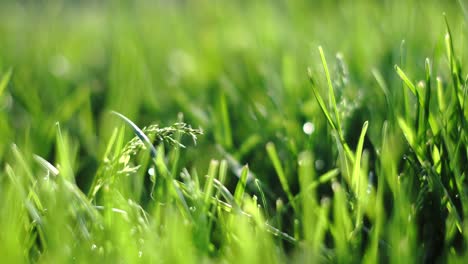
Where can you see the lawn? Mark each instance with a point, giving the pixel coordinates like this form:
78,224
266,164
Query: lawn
234,131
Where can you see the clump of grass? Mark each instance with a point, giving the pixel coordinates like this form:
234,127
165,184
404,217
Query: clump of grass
381,180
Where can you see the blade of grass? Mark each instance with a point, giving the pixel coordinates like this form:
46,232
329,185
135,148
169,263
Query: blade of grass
331,92
309,203
357,174
46,165
240,187
427,97
349,154
263,197
440,96
455,73
405,79
273,154
320,101
227,195
226,122
357,164
406,105
208,190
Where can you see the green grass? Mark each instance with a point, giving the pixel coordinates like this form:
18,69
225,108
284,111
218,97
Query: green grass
214,131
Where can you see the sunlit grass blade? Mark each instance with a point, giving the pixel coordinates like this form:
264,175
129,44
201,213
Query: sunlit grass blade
357,176
336,128
273,154
141,135
427,98
44,163
283,235
405,79
321,102
208,189
331,92
227,195
223,168
263,197
227,135
240,187
455,68
406,103
309,204
357,163
440,96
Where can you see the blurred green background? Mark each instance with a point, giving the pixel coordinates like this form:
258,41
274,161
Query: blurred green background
237,69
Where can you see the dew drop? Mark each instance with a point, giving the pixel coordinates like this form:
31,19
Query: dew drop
308,128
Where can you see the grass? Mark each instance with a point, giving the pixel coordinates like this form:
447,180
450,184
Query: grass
183,132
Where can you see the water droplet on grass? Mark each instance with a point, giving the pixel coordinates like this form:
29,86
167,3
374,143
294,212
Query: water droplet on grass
308,128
